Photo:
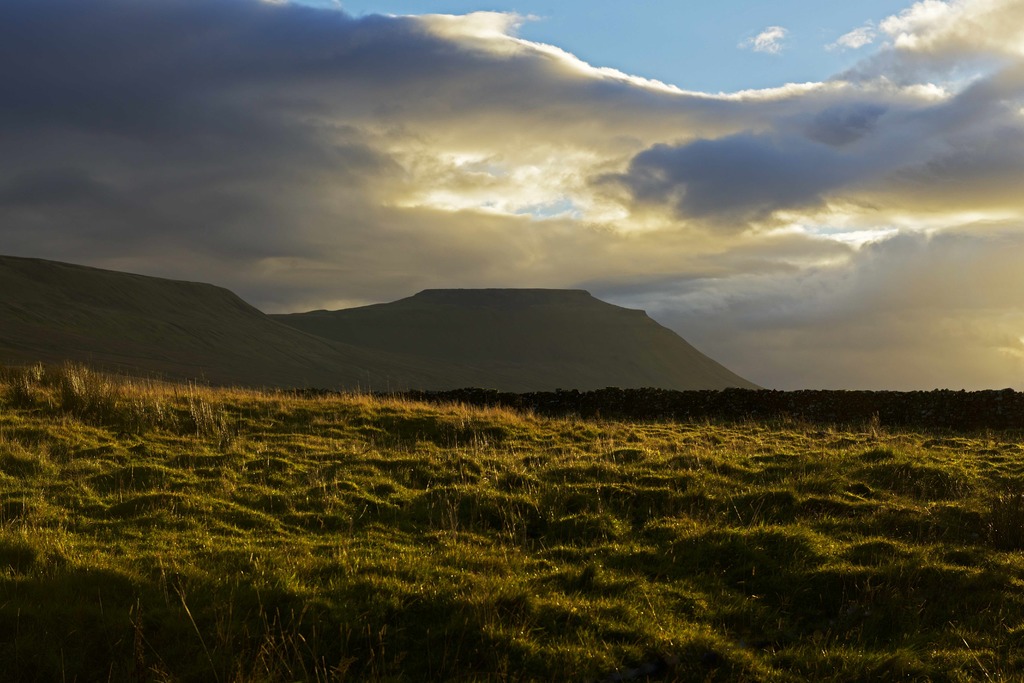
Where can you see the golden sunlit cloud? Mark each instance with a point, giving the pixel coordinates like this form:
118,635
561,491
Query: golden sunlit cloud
959,28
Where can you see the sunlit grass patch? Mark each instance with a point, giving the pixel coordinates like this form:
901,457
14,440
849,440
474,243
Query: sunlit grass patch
165,532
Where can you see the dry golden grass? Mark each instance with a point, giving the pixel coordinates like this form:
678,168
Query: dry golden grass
155,531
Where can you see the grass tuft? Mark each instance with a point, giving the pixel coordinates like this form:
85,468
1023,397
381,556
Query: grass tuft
1005,520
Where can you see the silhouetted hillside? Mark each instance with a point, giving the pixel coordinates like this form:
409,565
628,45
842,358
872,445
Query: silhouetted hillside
53,311
525,339
506,339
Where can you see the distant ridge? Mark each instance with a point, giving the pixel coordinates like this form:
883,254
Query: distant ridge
51,312
506,339
526,339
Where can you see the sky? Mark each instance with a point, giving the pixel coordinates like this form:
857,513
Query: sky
692,45
817,195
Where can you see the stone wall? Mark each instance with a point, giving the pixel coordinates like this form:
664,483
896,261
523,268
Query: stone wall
931,409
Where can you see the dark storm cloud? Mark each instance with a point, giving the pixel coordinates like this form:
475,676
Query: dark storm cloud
870,151
842,124
64,185
219,128
140,67
195,79
737,178
192,127
171,68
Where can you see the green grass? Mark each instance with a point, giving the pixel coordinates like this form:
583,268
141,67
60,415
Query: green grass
164,532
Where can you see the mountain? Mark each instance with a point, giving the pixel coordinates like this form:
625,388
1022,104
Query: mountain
508,339
525,340
52,312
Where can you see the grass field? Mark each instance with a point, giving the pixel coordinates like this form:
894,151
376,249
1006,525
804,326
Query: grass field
169,532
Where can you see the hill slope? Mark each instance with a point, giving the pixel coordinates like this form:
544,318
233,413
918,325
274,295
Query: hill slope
525,340
52,312
513,340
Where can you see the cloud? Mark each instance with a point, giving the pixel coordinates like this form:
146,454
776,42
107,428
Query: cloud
885,153
770,40
736,179
855,39
947,42
959,28
903,309
307,158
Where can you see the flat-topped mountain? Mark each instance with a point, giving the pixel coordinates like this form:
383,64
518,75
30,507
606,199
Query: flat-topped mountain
526,339
507,339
